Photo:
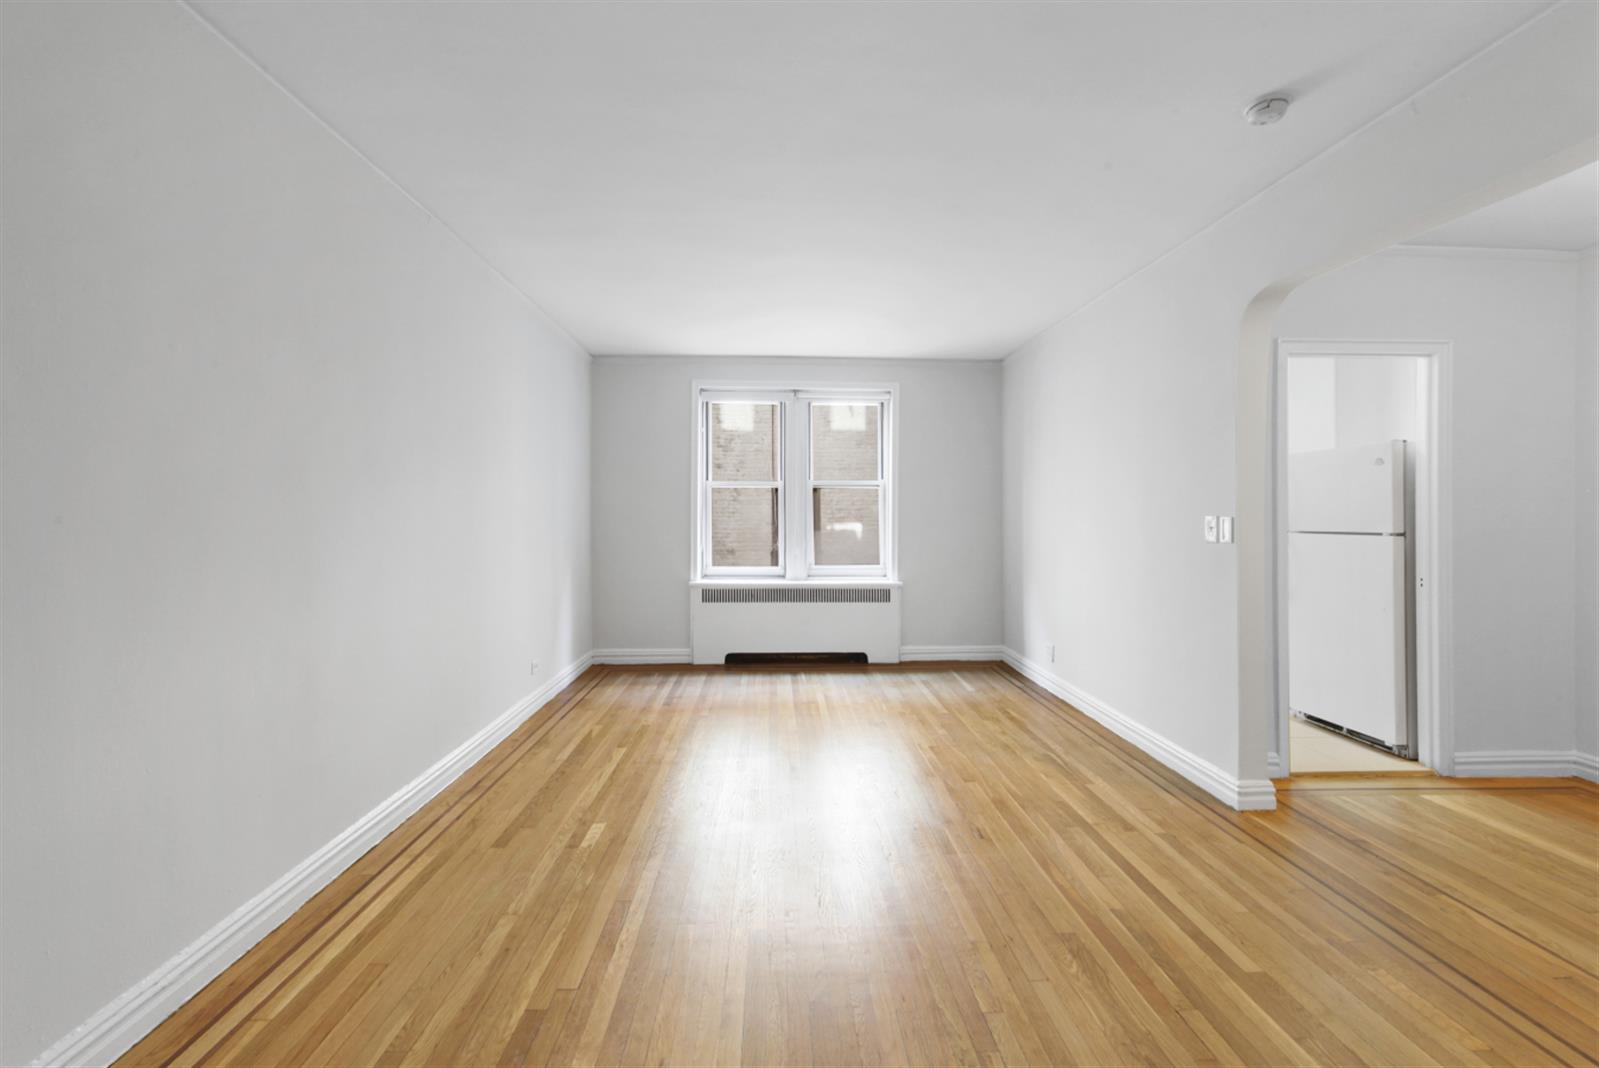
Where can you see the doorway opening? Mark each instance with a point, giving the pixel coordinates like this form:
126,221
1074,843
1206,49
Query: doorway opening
1360,447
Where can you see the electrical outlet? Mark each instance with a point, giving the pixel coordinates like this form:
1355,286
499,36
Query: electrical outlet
535,669
1051,650
1211,528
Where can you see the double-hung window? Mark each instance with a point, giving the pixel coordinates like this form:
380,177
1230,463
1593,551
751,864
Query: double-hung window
742,499
794,484
846,482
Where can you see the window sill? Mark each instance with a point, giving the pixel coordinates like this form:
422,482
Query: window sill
838,581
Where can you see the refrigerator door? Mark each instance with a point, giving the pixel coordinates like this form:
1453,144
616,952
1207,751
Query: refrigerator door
1346,620
1359,489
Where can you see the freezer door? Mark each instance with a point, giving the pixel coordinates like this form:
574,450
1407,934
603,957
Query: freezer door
1346,632
1358,489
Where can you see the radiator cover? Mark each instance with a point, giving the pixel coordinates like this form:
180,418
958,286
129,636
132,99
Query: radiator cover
794,618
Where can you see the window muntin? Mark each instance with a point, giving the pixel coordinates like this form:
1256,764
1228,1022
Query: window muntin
833,447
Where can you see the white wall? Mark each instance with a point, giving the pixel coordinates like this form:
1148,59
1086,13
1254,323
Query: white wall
1586,495
1512,322
1337,401
1311,403
949,503
1117,441
295,488
1376,399
1150,407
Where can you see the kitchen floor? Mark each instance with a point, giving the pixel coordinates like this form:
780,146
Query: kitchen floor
1310,749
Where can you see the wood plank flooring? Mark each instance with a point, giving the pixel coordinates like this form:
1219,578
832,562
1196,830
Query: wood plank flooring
922,865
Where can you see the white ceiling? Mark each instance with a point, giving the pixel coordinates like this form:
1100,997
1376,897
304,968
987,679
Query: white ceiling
848,179
1561,215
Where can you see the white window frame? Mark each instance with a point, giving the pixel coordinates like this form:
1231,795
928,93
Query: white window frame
808,403
794,509
707,484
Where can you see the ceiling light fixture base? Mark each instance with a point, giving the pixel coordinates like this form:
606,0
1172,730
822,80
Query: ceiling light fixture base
1266,110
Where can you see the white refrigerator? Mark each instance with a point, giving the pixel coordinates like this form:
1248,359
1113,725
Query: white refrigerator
1349,592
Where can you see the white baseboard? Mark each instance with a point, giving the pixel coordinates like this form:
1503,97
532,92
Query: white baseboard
1531,763
643,656
951,652
1274,766
111,1031
907,652
1241,794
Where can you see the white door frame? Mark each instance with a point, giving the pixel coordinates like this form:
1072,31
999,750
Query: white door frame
1435,728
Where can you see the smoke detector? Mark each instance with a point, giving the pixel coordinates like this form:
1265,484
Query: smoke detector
1266,110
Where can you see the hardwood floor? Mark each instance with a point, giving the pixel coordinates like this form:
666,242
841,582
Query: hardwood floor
929,865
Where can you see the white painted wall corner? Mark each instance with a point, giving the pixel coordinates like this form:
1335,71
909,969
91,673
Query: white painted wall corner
1245,795
134,1013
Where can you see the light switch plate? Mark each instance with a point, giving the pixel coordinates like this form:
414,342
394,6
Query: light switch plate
1210,528
1225,528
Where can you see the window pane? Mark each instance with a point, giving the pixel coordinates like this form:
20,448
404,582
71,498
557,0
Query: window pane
844,525
744,442
744,527
844,442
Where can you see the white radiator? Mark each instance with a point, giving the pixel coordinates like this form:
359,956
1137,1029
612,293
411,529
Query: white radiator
727,619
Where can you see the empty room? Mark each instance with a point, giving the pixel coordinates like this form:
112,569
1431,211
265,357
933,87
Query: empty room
811,532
